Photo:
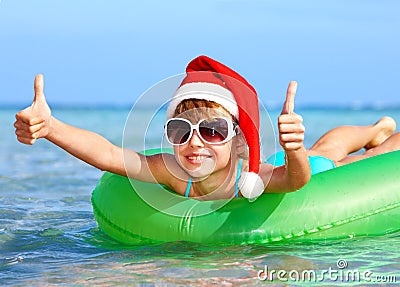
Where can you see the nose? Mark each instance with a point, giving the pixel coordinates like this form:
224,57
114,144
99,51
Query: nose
195,140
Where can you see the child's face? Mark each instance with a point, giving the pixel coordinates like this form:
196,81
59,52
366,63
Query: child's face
198,157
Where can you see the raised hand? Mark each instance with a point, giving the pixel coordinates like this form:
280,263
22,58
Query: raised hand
35,121
290,125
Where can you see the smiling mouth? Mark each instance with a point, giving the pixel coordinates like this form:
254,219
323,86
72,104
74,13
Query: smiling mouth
197,158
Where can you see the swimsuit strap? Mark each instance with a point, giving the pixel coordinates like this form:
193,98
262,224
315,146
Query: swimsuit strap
239,169
189,185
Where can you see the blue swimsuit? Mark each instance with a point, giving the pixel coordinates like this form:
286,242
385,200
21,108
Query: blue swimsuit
239,169
317,163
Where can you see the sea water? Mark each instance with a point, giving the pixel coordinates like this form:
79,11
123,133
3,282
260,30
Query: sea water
48,235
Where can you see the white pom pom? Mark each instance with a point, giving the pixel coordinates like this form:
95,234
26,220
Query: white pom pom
251,185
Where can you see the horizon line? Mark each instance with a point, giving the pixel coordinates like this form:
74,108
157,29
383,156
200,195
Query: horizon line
270,106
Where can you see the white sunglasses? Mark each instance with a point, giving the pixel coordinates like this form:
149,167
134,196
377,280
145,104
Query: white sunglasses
219,130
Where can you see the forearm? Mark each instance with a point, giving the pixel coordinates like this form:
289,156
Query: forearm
87,146
297,171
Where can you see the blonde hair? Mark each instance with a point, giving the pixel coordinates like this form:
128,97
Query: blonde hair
201,109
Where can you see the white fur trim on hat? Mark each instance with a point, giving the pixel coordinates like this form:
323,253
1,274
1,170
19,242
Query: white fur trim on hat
251,185
204,91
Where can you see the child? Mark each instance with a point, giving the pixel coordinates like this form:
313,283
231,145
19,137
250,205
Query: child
210,118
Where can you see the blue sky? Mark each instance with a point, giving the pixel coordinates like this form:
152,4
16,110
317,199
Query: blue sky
109,52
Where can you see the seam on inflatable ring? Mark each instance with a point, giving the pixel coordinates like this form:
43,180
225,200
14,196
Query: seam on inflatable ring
333,224
104,218
313,230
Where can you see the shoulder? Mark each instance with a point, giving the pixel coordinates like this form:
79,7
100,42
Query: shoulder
273,177
266,171
166,170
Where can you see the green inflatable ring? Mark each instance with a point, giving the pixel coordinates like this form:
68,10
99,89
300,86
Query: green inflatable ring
359,199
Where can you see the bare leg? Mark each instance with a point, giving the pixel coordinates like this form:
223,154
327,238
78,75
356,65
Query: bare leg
339,142
391,144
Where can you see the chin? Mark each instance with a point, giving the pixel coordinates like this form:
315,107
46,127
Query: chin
198,173
201,171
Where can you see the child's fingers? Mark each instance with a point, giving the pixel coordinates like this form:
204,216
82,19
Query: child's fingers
290,123
38,87
24,140
291,128
292,146
27,135
292,137
30,124
288,106
292,141
287,119
26,117
28,128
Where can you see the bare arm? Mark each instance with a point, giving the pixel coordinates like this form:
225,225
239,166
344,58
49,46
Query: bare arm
88,147
296,172
36,122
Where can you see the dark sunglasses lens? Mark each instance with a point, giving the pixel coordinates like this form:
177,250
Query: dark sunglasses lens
178,131
214,131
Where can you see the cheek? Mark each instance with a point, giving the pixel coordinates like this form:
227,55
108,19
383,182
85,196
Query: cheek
224,153
177,153
179,157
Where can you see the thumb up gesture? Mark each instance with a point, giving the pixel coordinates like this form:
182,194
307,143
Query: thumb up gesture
35,121
290,125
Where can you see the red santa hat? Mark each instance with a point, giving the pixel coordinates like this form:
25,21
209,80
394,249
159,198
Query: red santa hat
220,84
